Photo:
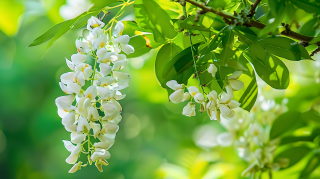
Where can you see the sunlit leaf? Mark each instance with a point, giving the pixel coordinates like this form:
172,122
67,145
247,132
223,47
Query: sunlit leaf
284,123
293,154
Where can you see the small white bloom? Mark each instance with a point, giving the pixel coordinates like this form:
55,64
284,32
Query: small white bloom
118,29
177,96
226,105
67,77
109,127
96,129
94,35
119,65
94,22
189,110
100,153
77,137
91,92
73,157
122,80
186,96
70,88
213,70
70,64
65,103
106,93
104,145
123,42
69,119
173,84
82,46
75,167
225,139
93,114
105,69
101,41
78,58
106,81
193,90
84,69
199,98
83,125
212,96
106,57
234,82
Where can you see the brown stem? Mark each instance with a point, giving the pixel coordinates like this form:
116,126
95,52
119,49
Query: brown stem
253,7
254,23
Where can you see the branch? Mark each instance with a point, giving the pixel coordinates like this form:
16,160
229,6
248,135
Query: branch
253,8
254,23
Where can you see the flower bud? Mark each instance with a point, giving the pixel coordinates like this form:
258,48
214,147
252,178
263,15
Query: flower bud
177,96
189,110
213,70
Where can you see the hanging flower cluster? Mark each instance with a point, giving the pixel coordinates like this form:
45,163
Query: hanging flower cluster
90,110
214,104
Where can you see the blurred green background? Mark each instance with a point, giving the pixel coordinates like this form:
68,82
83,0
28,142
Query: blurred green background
154,140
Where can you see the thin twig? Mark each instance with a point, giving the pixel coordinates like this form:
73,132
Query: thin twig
253,8
192,51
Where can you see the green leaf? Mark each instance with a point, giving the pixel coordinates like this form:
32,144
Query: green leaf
147,16
247,96
308,28
285,47
213,43
293,154
284,123
166,53
227,44
47,35
307,6
270,68
313,163
293,139
180,62
140,46
311,115
98,4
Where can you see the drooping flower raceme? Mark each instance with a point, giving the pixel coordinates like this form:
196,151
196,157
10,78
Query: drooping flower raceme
90,109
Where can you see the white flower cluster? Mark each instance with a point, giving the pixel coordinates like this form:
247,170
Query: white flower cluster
249,133
213,103
90,110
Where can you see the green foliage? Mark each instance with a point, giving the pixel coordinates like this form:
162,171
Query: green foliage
293,155
285,123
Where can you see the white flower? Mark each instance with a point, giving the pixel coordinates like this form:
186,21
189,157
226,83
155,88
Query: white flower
106,57
69,119
91,92
83,125
225,139
101,41
123,42
177,96
96,129
173,84
93,114
65,103
83,72
75,151
105,69
226,105
189,110
82,46
193,90
234,82
122,80
100,153
67,77
109,127
70,64
119,65
73,8
94,35
106,81
104,145
78,58
199,98
77,137
94,22
70,88
75,167
106,93
118,29
212,96
213,70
